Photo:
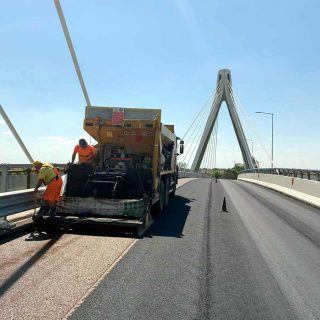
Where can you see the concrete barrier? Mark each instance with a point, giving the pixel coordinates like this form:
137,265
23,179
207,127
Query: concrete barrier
307,191
190,174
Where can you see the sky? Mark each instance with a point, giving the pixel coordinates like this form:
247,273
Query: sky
162,54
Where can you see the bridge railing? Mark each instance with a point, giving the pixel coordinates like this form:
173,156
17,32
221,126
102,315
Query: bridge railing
15,177
296,173
187,173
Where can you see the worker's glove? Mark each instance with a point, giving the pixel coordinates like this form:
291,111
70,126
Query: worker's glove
67,167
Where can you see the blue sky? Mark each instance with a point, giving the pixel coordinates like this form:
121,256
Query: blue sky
162,54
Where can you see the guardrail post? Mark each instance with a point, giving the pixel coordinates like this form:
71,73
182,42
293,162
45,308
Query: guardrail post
4,178
308,174
28,178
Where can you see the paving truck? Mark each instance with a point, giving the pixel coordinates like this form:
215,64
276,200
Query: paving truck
133,176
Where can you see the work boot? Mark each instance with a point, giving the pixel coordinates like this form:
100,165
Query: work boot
43,210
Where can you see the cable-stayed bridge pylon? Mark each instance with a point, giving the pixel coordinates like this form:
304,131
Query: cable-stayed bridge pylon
223,93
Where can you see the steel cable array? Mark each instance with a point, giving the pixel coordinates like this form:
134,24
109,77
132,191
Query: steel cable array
194,133
245,119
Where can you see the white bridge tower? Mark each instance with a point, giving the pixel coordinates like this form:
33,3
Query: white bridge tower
223,93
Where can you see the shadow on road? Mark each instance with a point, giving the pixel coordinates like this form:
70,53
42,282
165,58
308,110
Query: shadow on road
26,266
171,222
13,236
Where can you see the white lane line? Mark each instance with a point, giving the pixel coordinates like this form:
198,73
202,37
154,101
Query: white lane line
102,276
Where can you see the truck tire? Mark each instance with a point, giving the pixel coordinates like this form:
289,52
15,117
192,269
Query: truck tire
147,221
174,188
159,206
166,193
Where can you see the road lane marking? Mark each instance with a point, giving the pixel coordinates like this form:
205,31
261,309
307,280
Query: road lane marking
99,280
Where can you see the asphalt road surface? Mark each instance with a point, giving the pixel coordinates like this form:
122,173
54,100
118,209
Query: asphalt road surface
259,260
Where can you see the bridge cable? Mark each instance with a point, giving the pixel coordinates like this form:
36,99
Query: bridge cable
214,150
193,137
208,154
197,143
197,129
210,151
257,136
204,106
200,131
248,121
196,125
215,142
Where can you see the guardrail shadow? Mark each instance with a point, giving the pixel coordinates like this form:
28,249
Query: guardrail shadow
7,237
26,266
171,222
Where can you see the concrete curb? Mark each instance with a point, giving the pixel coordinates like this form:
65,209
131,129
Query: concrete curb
302,197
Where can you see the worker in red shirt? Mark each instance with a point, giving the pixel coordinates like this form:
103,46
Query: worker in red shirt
85,152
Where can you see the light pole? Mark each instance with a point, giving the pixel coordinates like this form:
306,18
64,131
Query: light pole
272,114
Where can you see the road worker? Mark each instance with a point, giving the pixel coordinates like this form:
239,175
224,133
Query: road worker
48,175
86,153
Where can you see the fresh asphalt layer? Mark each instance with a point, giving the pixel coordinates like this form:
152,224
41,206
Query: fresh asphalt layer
259,260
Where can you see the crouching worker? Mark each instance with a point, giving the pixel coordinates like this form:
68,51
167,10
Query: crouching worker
48,175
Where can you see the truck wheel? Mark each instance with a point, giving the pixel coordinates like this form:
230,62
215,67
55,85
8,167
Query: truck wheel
166,193
158,207
147,221
174,188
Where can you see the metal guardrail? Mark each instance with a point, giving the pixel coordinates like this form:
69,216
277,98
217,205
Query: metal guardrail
18,201
296,173
19,176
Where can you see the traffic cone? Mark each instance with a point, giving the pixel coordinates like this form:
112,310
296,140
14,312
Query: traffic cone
224,205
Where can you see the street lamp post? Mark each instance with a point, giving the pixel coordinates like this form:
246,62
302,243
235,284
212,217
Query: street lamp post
272,114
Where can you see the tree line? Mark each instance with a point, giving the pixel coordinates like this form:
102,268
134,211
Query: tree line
219,173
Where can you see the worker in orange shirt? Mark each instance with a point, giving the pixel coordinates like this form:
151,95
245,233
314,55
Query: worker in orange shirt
48,175
85,152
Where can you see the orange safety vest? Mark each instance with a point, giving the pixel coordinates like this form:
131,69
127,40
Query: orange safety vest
85,154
